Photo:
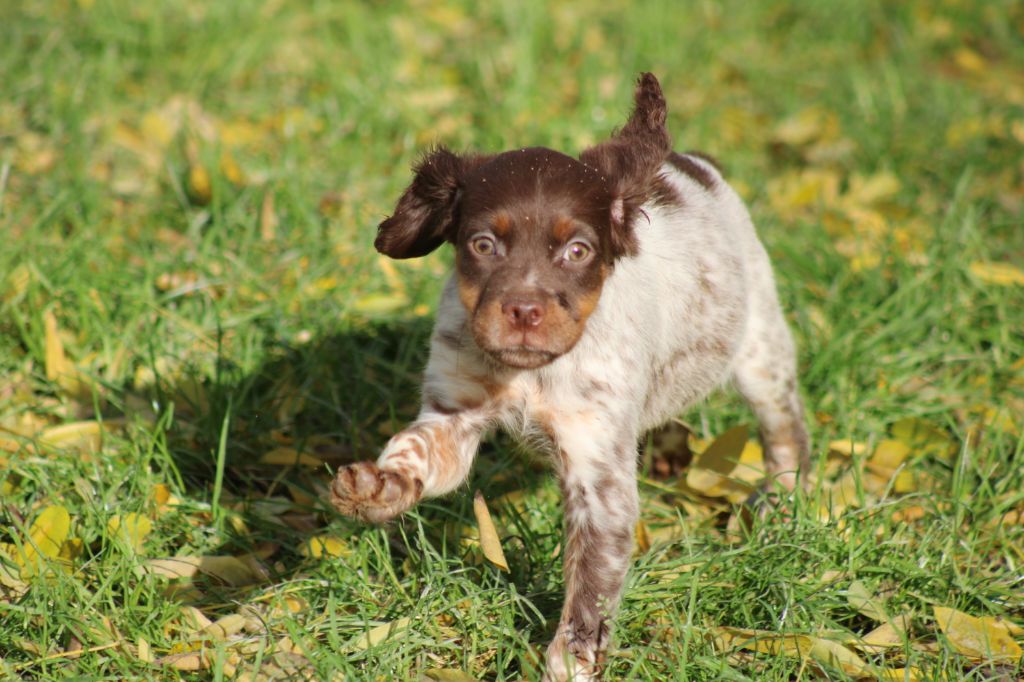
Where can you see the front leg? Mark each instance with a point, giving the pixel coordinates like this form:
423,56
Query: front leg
432,456
598,481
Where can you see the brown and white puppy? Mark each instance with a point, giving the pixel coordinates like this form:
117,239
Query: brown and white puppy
593,300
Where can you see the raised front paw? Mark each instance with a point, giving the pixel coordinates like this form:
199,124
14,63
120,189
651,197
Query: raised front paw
365,491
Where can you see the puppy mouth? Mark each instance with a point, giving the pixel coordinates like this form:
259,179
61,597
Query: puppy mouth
522,356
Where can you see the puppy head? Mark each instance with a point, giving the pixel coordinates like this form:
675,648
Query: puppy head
536,232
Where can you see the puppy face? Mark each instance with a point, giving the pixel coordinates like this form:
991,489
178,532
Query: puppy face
536,232
533,247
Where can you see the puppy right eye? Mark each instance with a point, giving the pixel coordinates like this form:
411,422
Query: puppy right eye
483,246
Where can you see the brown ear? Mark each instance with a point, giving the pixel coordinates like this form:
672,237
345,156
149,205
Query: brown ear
631,161
425,214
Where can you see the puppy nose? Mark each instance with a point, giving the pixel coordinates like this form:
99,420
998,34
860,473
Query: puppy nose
523,314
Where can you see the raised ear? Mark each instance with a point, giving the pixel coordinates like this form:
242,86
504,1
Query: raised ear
631,161
425,214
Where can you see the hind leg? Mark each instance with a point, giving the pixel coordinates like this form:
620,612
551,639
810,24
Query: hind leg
765,374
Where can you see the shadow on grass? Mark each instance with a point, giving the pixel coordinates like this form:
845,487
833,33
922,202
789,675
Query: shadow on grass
336,399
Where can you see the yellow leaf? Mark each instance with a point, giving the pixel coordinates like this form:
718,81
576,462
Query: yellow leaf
379,634
233,571
84,435
188,661
806,126
325,546
46,537
885,636
847,447
56,362
872,189
231,170
888,456
970,61
823,651
157,127
224,627
489,541
284,456
131,528
448,676
903,675
643,542
979,638
923,436
199,186
1002,274
143,651
380,304
861,599
163,498
714,465
17,283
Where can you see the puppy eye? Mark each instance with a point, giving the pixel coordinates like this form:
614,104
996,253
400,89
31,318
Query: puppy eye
577,252
483,246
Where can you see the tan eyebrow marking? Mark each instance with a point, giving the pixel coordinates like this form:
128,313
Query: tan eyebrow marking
562,229
502,224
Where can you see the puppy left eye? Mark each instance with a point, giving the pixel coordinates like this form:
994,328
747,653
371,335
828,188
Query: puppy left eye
577,252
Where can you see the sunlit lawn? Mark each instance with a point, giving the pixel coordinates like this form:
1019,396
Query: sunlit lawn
195,331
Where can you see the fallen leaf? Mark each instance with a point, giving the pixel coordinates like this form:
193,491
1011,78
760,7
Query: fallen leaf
888,456
862,601
232,571
643,542
325,545
188,661
45,539
446,675
903,675
885,636
143,651
923,436
224,627
1001,274
983,638
824,651
712,467
131,528
489,541
268,218
284,456
379,634
380,304
84,435
200,189
847,447
56,362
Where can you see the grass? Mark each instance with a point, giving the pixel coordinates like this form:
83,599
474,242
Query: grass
188,197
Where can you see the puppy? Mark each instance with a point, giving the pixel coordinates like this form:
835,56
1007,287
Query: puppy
593,300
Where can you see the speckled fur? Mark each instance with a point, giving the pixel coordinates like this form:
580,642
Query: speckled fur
689,306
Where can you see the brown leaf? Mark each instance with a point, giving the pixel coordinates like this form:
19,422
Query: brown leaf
268,218
489,541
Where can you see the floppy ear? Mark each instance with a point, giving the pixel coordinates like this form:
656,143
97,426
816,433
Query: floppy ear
425,214
631,161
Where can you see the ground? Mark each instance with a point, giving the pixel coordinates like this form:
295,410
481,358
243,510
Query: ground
195,331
